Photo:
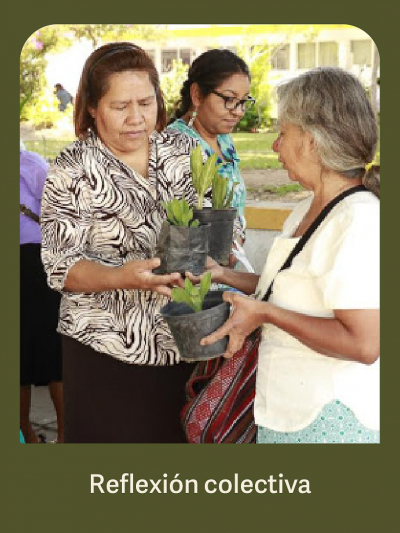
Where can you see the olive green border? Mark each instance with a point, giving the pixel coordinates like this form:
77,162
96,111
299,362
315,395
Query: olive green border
353,487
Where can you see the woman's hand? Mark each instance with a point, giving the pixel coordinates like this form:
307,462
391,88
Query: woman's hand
217,272
247,315
137,274
89,276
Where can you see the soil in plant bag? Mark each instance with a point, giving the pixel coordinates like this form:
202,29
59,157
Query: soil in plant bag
188,327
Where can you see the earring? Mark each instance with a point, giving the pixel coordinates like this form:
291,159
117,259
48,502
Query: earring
192,119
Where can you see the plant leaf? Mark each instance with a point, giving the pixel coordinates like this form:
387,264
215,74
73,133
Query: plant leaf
180,296
205,285
228,200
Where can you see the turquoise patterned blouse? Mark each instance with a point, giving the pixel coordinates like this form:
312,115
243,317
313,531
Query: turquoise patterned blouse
230,164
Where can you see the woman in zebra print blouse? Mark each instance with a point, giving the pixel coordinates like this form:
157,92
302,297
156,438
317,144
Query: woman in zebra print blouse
101,216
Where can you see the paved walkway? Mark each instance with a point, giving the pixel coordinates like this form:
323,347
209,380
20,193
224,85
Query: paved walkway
43,416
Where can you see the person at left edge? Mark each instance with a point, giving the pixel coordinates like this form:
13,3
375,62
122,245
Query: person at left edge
101,217
40,344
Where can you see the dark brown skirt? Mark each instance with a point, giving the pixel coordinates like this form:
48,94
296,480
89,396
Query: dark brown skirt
109,401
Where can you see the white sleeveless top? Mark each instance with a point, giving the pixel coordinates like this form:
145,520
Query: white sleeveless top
337,269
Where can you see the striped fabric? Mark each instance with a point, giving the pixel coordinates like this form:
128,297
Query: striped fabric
220,396
95,207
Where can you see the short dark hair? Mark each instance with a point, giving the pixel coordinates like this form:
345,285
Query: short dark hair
209,70
93,85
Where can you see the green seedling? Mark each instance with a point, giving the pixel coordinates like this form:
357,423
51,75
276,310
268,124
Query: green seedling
205,175
221,199
193,295
179,213
202,173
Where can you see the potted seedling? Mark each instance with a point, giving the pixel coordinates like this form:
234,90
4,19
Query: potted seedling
183,242
221,216
194,313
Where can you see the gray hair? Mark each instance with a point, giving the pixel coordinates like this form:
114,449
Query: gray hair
331,105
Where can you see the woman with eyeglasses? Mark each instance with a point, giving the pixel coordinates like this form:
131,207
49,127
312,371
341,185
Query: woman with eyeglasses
214,98
101,217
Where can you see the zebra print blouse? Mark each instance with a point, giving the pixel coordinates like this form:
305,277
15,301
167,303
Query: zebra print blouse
95,207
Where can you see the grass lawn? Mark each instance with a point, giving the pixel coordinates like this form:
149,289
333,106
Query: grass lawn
254,149
48,148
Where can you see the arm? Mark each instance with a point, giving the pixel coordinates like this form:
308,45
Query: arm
66,225
243,281
88,276
351,334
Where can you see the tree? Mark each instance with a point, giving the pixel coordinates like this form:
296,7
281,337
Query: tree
60,36
259,58
171,83
33,63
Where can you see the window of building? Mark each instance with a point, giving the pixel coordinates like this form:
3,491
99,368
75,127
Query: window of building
328,54
167,57
362,52
280,58
306,55
185,56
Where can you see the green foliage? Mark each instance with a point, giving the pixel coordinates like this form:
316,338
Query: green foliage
33,63
258,59
205,175
255,150
57,37
179,213
202,173
250,120
193,295
280,190
47,148
221,198
43,111
171,83
97,33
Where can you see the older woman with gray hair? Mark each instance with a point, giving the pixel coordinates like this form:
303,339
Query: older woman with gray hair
318,370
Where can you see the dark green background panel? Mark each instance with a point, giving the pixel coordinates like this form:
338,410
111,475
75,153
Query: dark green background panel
354,488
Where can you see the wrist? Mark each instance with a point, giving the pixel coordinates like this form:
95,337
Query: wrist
264,313
220,275
118,278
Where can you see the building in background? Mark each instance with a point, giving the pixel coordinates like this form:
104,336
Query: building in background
296,48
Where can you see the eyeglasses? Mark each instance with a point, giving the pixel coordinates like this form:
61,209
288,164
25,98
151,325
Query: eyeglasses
232,103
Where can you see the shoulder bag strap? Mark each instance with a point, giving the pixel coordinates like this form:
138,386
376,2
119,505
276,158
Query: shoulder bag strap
29,213
305,237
